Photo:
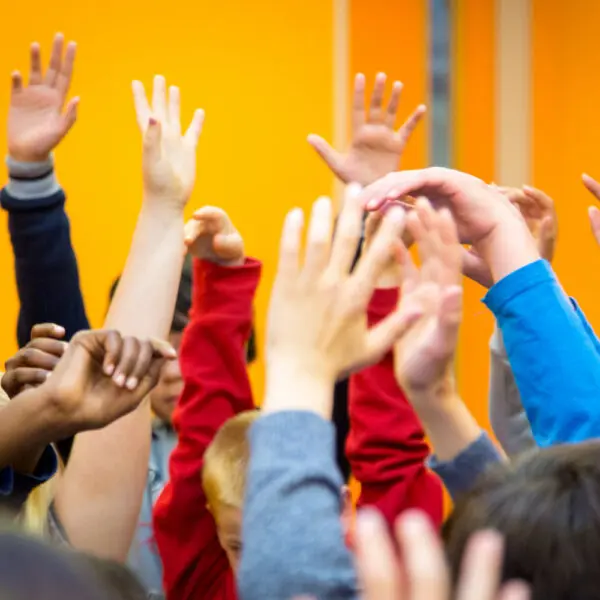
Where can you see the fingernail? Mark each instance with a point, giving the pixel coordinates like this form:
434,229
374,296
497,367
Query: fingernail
371,204
109,369
59,330
152,121
119,379
132,383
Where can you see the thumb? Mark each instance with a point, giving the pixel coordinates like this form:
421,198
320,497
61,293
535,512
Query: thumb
152,139
475,268
70,115
327,153
228,247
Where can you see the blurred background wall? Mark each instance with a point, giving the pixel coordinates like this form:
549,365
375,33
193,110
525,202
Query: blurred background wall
518,100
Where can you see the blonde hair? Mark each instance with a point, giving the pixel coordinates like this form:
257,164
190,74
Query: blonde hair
226,462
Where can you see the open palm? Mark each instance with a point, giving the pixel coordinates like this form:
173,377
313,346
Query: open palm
376,148
36,121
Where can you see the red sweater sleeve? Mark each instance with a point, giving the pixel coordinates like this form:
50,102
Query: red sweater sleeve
216,388
386,446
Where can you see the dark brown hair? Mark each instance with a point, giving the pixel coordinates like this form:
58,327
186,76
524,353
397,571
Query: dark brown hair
547,505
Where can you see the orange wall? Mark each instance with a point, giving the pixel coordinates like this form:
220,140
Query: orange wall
473,151
261,69
566,134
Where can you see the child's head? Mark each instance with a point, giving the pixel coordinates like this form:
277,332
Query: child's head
224,480
547,505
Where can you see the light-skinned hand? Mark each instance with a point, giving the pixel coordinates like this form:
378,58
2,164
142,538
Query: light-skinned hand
101,377
423,357
210,235
423,573
594,214
317,323
484,216
169,158
376,147
539,213
36,120
32,364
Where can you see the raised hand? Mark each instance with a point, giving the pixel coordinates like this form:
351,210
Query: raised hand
376,148
210,235
32,365
423,357
101,377
169,158
424,574
539,213
594,214
36,120
317,325
484,216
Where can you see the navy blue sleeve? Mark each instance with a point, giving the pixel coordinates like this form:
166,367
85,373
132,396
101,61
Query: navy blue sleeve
45,264
552,352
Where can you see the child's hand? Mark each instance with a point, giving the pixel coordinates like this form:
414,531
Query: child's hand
32,365
210,235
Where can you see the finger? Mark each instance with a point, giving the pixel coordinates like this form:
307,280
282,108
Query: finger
36,358
347,233
70,116
17,82
481,567
449,319
162,349
159,98
318,241
594,215
331,157
377,257
175,109
208,214
592,185
358,102
547,238
140,101
47,330
392,109
152,140
150,379
14,381
450,247
55,60
191,231
49,346
192,135
545,203
113,343
375,558
141,364
289,247
405,132
423,557
382,337
377,97
127,361
35,70
65,75
372,225
515,590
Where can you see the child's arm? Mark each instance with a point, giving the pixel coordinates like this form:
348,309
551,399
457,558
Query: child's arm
386,445
45,264
216,387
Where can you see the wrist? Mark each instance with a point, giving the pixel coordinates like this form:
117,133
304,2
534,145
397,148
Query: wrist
160,206
509,247
291,385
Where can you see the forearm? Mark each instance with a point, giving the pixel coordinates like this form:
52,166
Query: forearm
101,492
45,264
293,538
507,415
555,363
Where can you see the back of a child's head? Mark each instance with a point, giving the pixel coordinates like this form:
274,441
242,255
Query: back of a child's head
547,506
226,462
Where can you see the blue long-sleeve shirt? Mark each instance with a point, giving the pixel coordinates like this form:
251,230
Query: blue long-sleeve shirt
553,354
